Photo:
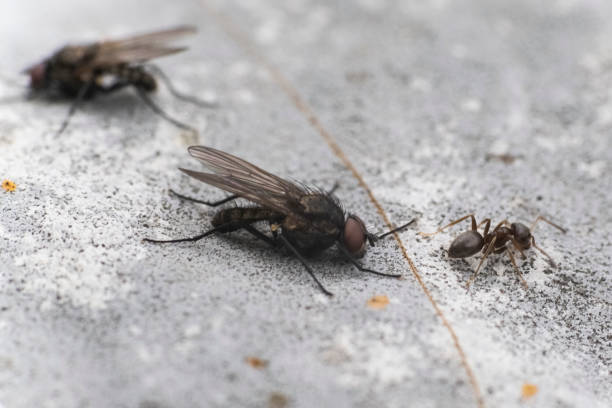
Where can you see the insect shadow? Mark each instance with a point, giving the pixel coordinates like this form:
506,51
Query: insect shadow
79,72
502,238
303,220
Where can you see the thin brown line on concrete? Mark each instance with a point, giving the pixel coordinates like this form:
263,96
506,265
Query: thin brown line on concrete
239,37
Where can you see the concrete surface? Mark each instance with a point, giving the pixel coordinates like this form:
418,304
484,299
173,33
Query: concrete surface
416,94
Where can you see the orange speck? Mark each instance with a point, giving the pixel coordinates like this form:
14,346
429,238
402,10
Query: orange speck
529,390
378,302
8,185
256,362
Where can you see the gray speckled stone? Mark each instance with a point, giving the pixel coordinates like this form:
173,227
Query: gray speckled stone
416,95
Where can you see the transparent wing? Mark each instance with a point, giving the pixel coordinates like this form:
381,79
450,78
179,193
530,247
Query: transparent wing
140,48
247,180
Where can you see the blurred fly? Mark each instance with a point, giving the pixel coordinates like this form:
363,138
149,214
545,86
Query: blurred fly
80,72
304,220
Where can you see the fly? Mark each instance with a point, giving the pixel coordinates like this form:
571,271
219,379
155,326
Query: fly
80,72
304,220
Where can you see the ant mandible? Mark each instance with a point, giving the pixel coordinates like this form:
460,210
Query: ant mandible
471,242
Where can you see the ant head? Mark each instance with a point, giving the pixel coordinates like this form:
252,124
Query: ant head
355,235
466,244
38,75
521,233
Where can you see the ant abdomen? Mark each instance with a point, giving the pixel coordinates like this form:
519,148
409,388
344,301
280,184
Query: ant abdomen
466,244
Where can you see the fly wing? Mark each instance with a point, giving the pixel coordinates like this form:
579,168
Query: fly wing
140,48
247,180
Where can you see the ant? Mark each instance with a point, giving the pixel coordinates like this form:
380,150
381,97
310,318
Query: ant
471,242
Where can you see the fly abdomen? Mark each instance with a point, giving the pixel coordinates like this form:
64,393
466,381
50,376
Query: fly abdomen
138,77
232,219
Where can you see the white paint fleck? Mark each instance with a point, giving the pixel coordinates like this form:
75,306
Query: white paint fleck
504,27
459,51
604,114
184,347
591,63
46,305
499,147
564,7
547,143
383,363
373,5
594,169
472,105
245,96
321,298
269,31
192,330
516,118
420,84
239,69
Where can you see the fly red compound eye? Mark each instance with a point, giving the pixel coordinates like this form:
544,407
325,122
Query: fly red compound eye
355,236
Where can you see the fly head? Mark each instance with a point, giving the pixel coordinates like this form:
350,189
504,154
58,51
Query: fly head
355,235
38,75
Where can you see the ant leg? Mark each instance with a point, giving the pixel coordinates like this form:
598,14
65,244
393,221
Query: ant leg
487,223
474,226
563,230
518,272
504,222
489,249
208,203
542,251
303,261
177,94
75,104
360,267
518,248
149,102
483,221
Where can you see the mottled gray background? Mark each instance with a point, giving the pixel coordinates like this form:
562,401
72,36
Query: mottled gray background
416,94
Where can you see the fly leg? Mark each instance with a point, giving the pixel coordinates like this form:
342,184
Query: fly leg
149,102
208,203
190,239
177,94
260,235
303,261
360,267
334,188
75,104
221,229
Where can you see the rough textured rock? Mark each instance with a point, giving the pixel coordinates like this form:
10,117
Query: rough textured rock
422,98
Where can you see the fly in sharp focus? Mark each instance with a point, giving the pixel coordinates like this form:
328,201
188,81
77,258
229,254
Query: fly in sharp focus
80,72
304,220
502,238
